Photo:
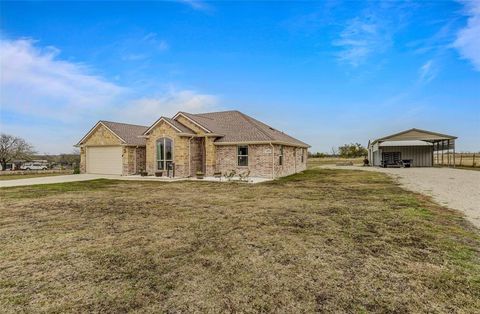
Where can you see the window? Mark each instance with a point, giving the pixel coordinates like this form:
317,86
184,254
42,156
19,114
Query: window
164,153
280,157
303,155
242,156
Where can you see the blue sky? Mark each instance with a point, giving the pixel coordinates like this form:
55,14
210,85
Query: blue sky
329,72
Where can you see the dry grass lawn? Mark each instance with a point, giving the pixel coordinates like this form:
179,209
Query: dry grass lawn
325,240
313,162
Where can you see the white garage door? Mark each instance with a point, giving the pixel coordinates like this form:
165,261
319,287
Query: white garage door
104,160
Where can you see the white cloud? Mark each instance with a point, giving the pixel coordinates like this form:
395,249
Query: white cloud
428,71
361,38
34,81
147,109
468,38
42,96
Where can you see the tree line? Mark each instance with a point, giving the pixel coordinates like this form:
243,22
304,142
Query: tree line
16,148
353,150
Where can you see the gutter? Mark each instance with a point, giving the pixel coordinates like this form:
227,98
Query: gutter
261,142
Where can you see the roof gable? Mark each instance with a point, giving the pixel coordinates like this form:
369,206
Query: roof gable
128,134
94,129
177,126
416,134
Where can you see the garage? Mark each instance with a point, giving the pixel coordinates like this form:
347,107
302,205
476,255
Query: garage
104,160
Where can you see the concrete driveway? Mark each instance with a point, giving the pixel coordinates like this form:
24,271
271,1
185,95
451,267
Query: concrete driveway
56,179
455,188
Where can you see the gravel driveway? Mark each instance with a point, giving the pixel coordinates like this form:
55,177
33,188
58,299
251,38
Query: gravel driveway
455,188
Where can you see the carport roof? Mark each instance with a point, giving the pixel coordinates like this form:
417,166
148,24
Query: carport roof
416,135
405,143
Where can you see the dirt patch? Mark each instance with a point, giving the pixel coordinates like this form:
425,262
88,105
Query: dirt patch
456,188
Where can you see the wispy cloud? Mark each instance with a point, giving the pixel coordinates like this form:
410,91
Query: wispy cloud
361,38
155,41
35,80
468,38
167,103
60,99
428,71
198,5
371,33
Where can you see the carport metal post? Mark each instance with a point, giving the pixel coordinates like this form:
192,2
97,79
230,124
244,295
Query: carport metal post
453,153
448,152
443,142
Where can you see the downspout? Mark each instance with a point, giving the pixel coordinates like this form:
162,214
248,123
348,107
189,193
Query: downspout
190,156
273,161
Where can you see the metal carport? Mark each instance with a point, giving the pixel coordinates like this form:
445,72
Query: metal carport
411,140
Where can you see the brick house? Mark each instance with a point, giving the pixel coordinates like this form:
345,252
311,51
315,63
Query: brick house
216,142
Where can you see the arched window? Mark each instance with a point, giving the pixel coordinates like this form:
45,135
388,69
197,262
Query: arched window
164,153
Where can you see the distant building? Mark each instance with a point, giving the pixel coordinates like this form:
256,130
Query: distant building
414,147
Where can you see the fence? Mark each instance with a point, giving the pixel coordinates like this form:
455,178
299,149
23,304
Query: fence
461,159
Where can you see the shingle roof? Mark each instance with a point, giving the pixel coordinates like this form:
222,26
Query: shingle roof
128,132
180,126
237,127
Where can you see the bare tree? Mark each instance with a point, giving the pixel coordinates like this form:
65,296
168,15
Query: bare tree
334,151
12,147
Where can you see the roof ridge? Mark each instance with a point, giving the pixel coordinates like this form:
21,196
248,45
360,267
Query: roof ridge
202,113
124,123
250,120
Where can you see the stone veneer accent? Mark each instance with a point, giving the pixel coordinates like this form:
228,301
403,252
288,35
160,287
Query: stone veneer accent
189,124
210,156
209,151
180,149
196,155
100,137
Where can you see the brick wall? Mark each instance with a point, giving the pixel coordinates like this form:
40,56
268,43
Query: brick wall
292,160
140,159
260,160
